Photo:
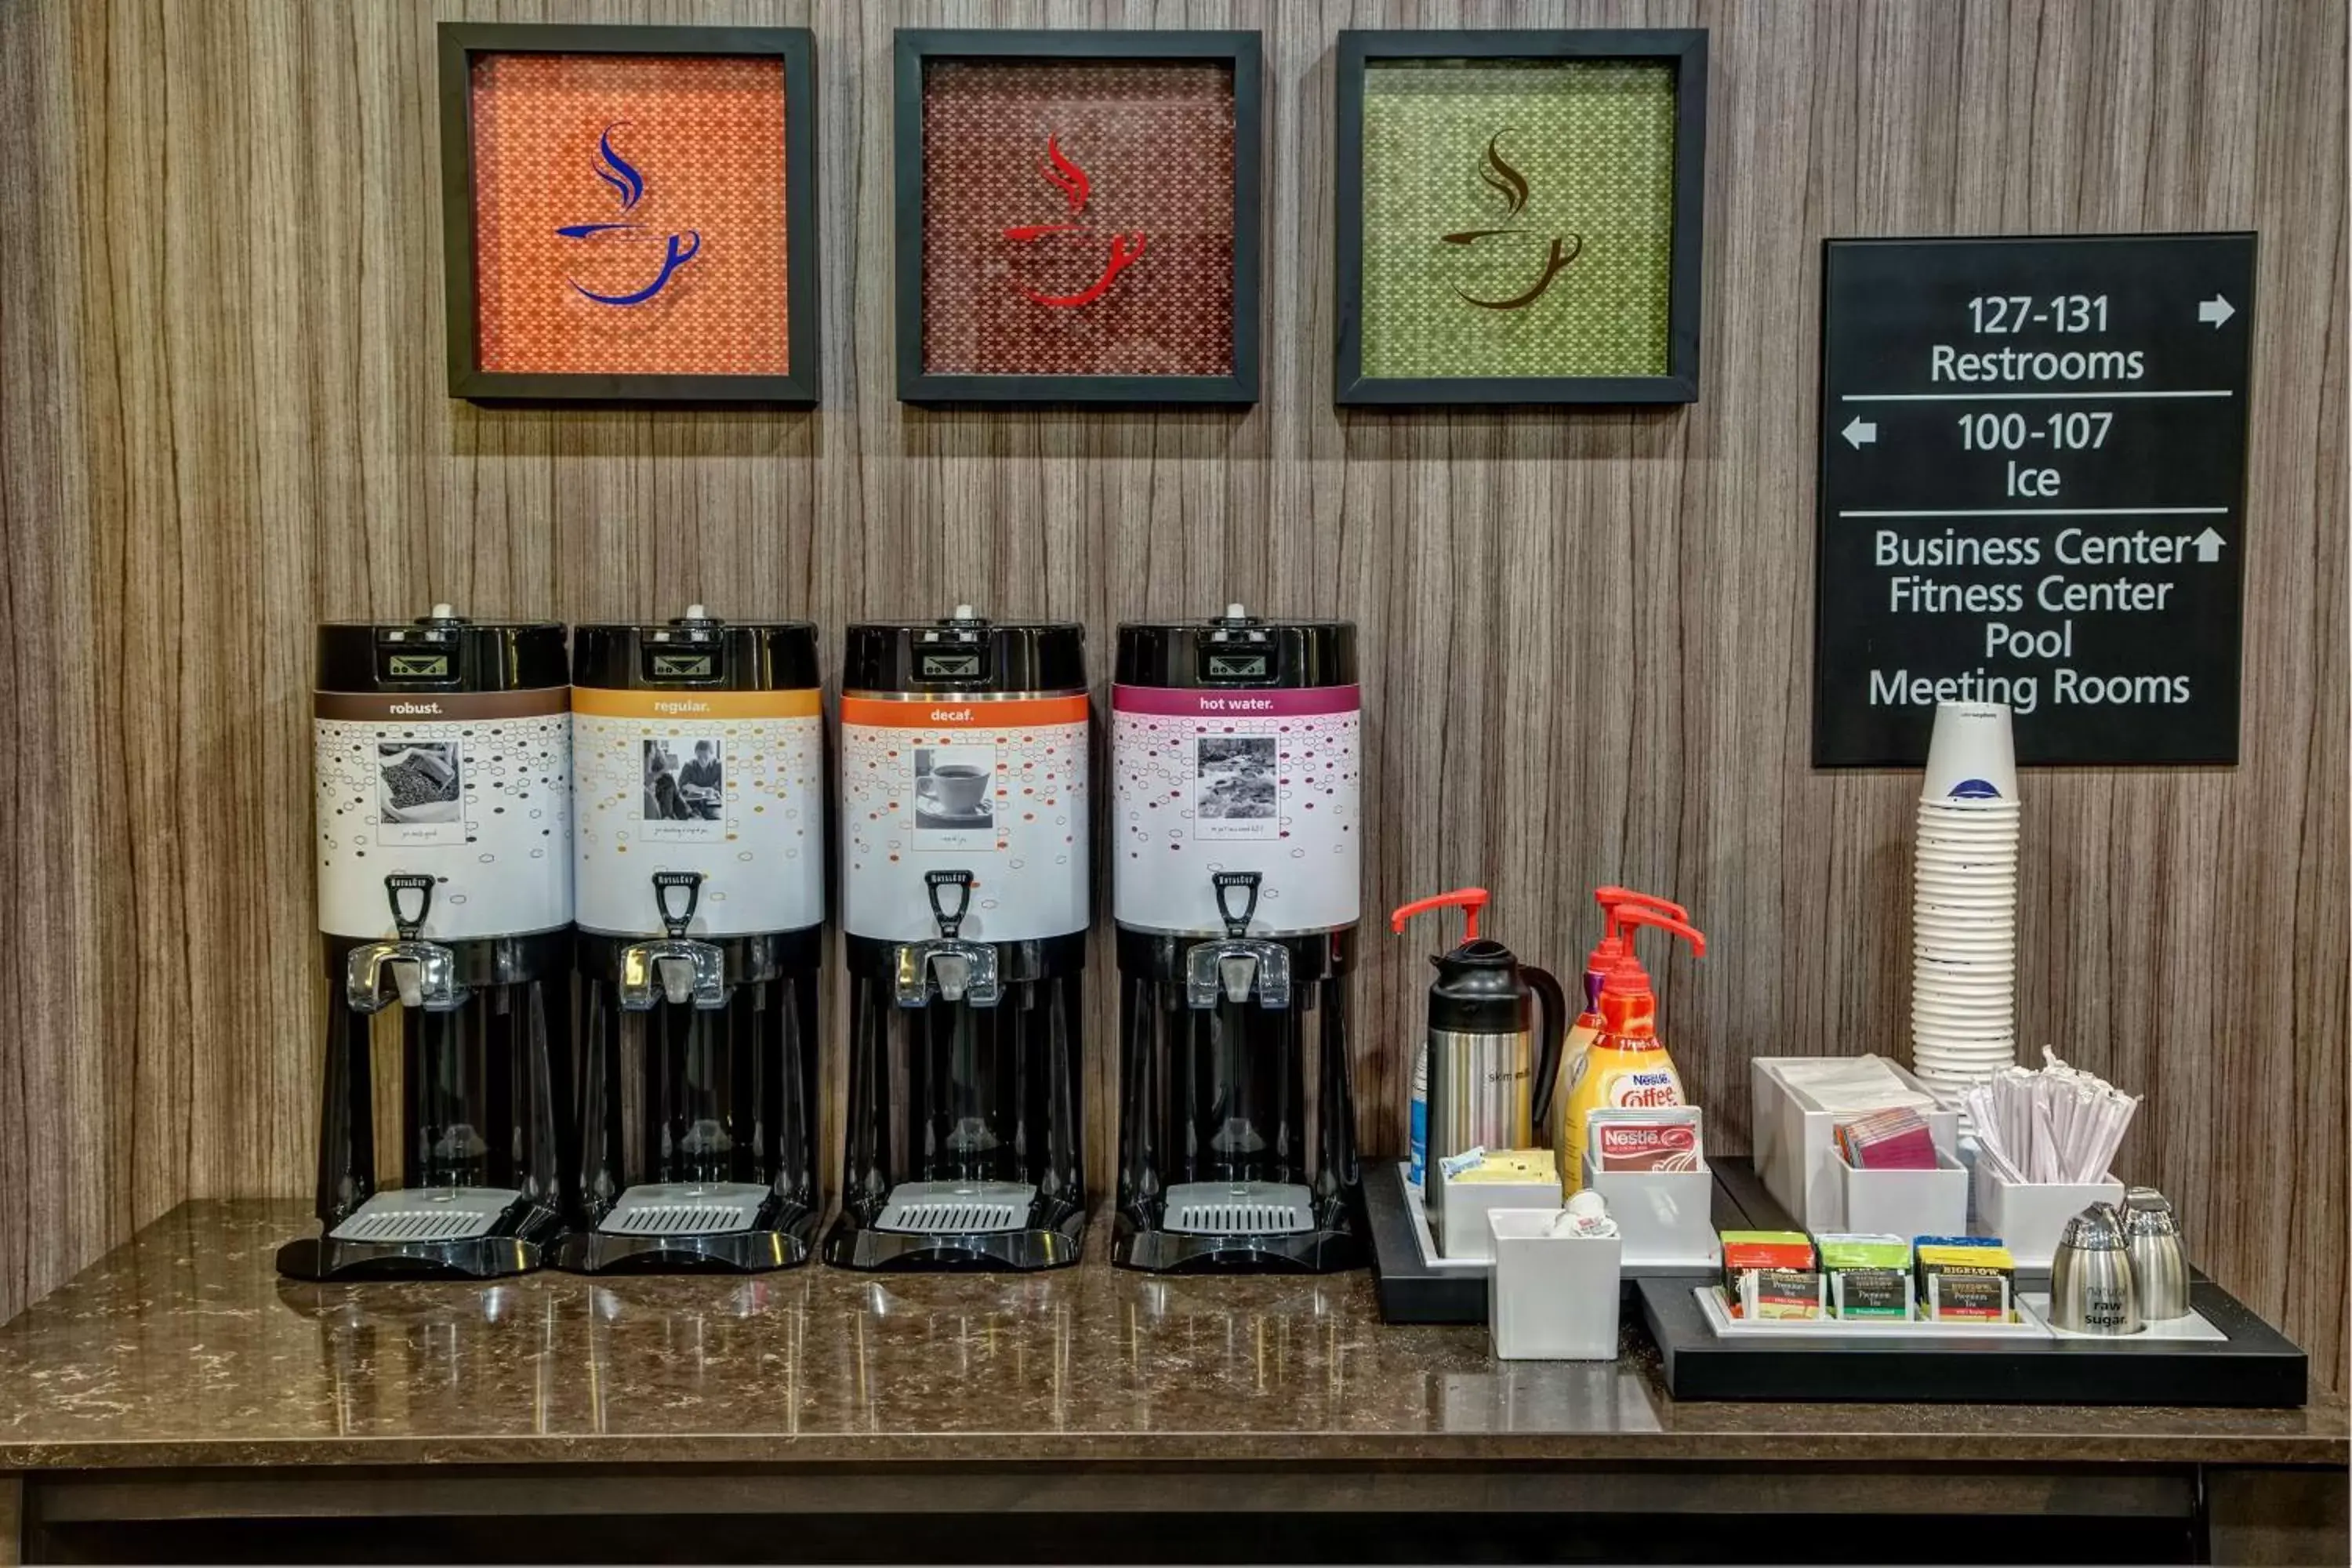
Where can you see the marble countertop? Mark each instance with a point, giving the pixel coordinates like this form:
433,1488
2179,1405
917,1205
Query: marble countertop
183,1348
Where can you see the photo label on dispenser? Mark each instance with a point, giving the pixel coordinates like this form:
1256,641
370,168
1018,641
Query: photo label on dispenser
727,784
960,783
472,788
1266,781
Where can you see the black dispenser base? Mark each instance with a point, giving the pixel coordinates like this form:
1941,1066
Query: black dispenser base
783,1235
517,1245
1330,1251
849,1245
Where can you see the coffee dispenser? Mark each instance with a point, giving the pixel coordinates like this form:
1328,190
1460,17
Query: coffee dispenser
444,760
698,833
963,869
1236,841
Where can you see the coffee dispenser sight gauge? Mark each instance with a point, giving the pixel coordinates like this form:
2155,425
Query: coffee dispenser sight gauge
963,871
1236,846
698,835
444,793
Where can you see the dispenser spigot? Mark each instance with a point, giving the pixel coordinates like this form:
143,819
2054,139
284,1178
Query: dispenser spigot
1240,963
957,970
421,974
674,969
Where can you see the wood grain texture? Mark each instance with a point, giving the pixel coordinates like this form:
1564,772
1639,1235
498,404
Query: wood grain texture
222,418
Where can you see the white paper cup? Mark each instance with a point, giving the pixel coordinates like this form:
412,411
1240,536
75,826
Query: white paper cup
1980,908
1963,947
1998,905
1971,753
1968,1032
1957,939
1948,845
1987,814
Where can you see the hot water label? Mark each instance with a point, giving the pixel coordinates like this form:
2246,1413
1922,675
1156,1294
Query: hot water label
997,789
472,788
727,784
1210,780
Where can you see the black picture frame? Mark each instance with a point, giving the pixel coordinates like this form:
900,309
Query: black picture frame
459,42
1242,50
1686,50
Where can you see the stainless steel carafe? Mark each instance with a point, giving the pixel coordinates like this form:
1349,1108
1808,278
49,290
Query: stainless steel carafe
1490,1069
2160,1268
2091,1276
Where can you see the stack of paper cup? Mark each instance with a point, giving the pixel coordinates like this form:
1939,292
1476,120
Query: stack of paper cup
1964,900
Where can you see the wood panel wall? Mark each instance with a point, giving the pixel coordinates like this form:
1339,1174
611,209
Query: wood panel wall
222,418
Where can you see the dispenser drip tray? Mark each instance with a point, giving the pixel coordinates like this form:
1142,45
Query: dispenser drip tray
1239,1208
685,1208
957,1208
428,1215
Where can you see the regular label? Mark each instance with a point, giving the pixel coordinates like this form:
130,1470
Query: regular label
996,788
473,789
2033,492
1211,781
726,783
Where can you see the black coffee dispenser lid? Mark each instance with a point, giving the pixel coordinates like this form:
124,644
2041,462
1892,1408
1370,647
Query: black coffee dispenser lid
964,652
695,652
1236,649
442,651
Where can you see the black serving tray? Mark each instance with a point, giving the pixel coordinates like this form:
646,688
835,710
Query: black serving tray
2256,1367
1411,1291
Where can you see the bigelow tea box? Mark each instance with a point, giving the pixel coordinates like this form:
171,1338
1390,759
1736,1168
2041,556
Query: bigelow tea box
1965,1283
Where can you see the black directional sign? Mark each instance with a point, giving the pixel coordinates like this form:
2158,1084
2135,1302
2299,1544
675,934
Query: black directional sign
2032,488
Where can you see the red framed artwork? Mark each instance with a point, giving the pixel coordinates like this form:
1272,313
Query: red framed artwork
1078,215
628,213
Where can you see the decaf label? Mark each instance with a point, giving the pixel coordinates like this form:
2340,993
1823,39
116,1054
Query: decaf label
726,783
995,788
1212,780
479,800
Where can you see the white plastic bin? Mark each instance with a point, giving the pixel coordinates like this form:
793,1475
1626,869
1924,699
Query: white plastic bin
1550,1298
1907,1203
1795,1143
2029,1216
1666,1218
1458,1218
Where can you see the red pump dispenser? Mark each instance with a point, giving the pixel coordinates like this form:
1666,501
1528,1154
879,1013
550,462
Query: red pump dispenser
1628,1006
1611,946
1469,900
1625,1066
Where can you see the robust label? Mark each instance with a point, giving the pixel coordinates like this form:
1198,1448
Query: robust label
726,783
996,788
471,788
1211,781
2033,492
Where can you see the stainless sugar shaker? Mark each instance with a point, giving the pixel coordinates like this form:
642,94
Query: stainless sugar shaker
2091,1276
2160,1266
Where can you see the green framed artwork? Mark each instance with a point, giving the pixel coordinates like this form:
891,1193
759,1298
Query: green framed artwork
1519,216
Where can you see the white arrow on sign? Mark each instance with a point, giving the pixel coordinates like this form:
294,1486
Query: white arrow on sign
1862,433
2217,311
2208,546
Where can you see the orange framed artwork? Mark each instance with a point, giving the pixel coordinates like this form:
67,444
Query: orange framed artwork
629,213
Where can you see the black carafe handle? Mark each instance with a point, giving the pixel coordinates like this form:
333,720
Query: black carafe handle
1555,1034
